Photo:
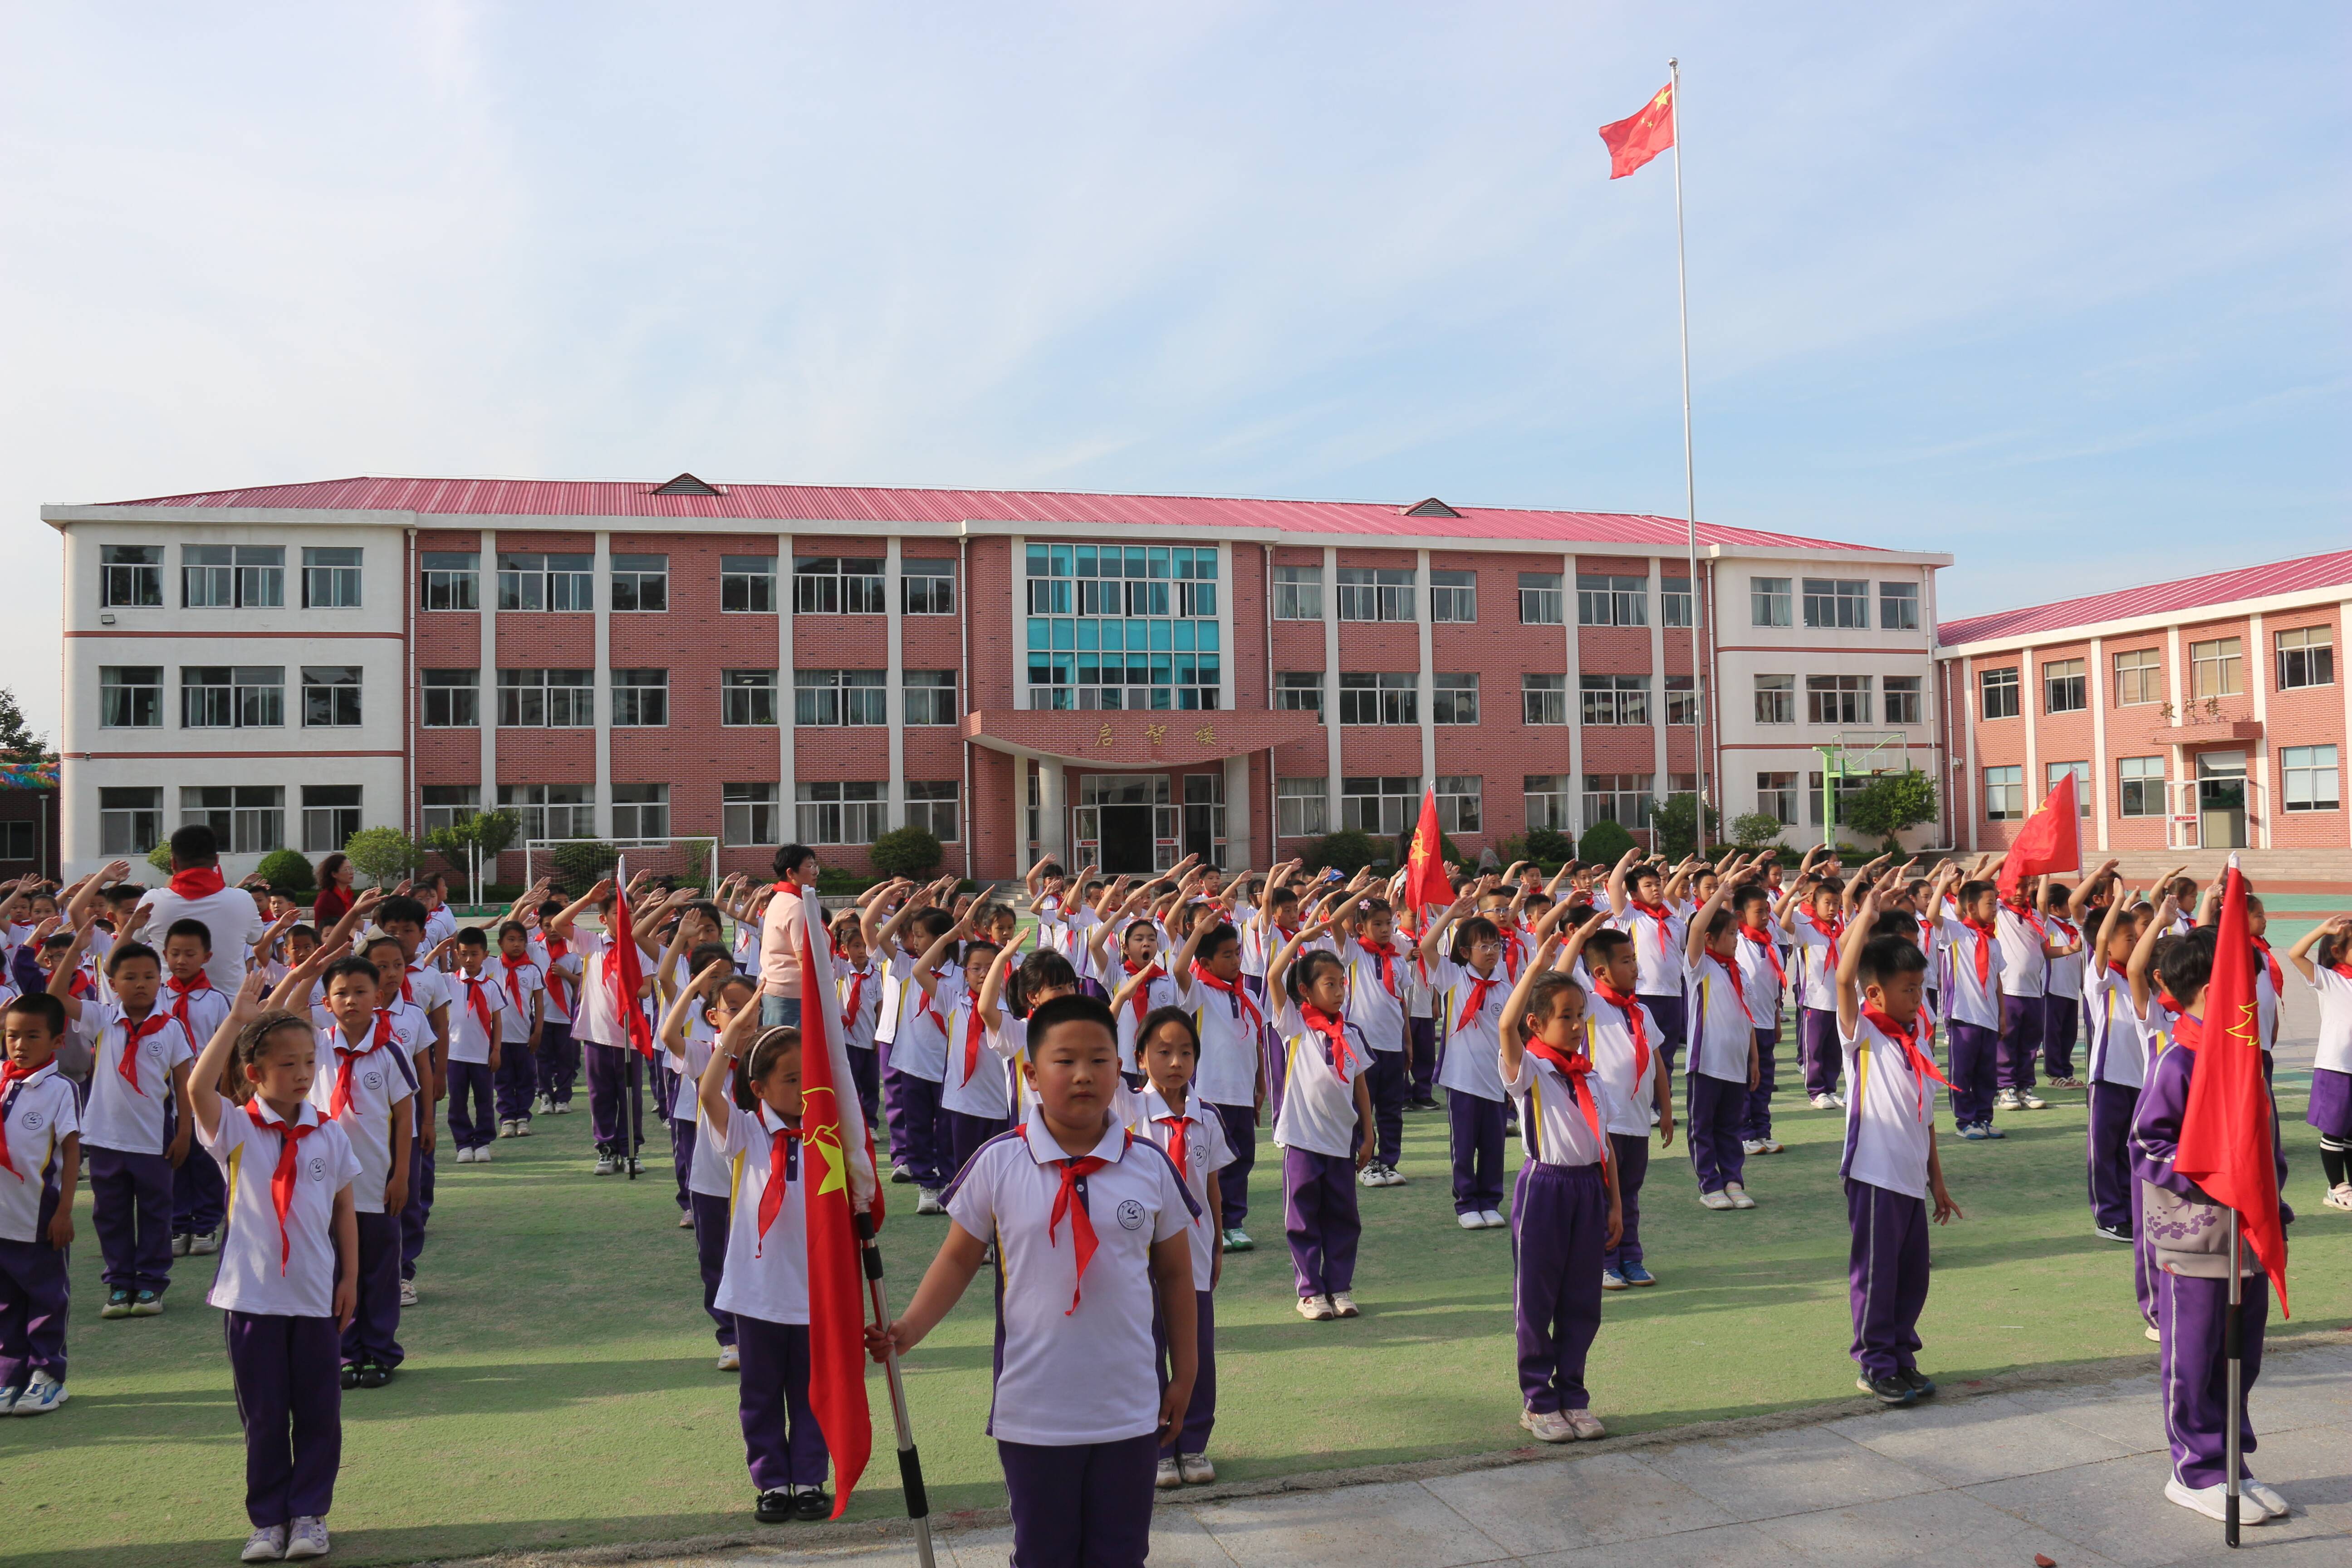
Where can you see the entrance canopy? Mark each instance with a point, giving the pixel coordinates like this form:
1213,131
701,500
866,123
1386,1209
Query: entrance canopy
1098,737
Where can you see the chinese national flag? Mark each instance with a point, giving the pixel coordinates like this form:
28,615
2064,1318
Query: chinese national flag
1426,881
2050,840
1635,141
2225,1132
624,967
831,1127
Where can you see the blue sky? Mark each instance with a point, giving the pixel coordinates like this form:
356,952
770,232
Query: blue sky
2060,289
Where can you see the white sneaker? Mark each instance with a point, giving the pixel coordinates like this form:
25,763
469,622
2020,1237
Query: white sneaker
2029,1100
1495,1220
605,1165
481,1157
264,1545
539,1106
2214,1502
1344,1304
927,1202
1738,1195
1196,1469
1586,1425
408,1292
2005,1099
1823,1101
465,1156
1751,1145
2263,1496
1471,1219
2150,1331
1548,1425
1837,1100
730,1360
204,1242
522,1129
2339,1197
1715,1200
306,1537
1369,1176
1773,1146
180,1246
1393,1177
41,1395
506,1129
1168,1478
9,1396
1316,1309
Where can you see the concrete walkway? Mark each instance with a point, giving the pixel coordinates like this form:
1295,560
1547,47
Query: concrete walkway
2073,1474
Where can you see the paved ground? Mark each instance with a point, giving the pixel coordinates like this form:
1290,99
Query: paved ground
2072,1474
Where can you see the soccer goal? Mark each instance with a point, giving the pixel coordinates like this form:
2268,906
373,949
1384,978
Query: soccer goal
576,864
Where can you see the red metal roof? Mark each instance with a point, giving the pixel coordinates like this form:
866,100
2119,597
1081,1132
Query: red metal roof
2155,599
837,503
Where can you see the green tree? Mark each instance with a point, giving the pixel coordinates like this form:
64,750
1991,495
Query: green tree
1604,842
1675,821
1755,829
383,853
1548,846
1891,803
1349,850
161,858
910,852
487,831
288,870
17,742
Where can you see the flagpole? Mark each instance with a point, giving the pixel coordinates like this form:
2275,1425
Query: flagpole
2234,1347
1690,479
911,1462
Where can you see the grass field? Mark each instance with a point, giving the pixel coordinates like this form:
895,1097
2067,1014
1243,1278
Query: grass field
560,1392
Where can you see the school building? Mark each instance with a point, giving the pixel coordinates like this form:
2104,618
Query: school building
2204,714
1119,678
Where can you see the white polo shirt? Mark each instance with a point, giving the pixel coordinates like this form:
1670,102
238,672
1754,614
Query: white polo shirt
2024,967
562,975
2334,988
518,983
1318,1094
1085,1372
230,916
919,1049
598,1024
974,1084
258,1273
40,1112
861,1003
199,1011
478,1014
1657,948
382,1077
1154,994
2063,976
1377,1002
1817,959
425,988
1233,1039
2118,1054
1552,1127
1966,999
1628,1077
1204,1151
766,1276
1470,1050
1890,1115
119,1116
1721,1030
1763,974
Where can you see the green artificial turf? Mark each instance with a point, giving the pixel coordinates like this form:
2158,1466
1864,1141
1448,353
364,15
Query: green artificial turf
560,1393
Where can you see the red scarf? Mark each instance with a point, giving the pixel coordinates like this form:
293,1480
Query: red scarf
1179,1148
1082,1224
1913,1040
1243,1005
857,1003
1986,936
1481,987
2188,1031
1762,940
201,882
783,1165
1632,1007
1386,958
927,1003
481,1006
1578,1070
557,951
131,1036
2271,962
1662,915
1731,973
11,1075
972,1032
515,966
341,1100
1141,1000
2027,914
281,1180
181,990
1514,952
1335,1037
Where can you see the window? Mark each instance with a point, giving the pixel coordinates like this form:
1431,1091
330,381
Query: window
640,699
2052,771
232,576
747,584
1682,700
452,698
2062,686
1776,700
551,811
2139,676
1776,796
2004,793
1382,807
1902,693
840,697
1387,699
1458,804
232,697
932,806
2313,780
1768,601
130,576
1547,802
1367,594
1543,699
640,812
250,818
129,821
1454,699
1615,699
1298,690
747,696
330,815
839,813
1302,807
1848,786
537,580
1673,602
451,580
931,696
330,696
330,579
1835,602
1453,595
2307,657
1298,593
1540,599
838,585
640,583
1898,606
130,696
2213,669
1621,798
1605,601
1145,636
19,840
2142,782
445,806
747,814
1837,700
548,698
1998,689
926,588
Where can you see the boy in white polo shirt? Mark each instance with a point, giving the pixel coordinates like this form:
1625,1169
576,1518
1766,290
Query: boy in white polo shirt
1231,1076
1972,1007
1090,1224
40,1164
366,1084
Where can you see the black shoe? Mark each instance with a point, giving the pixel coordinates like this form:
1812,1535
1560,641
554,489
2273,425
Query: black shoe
811,1505
1918,1382
351,1376
774,1507
2116,1232
373,1375
1888,1390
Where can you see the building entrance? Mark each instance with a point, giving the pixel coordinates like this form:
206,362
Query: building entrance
2221,800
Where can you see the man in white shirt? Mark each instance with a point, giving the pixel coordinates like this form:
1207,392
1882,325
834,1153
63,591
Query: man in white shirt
197,892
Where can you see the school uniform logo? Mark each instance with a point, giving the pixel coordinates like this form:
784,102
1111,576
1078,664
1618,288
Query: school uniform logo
372,1080
318,1169
32,1121
1130,1216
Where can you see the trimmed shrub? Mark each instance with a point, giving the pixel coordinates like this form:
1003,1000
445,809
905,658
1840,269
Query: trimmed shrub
909,852
1605,842
288,870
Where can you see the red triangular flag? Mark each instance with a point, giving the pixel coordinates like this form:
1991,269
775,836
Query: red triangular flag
2051,839
2225,1130
835,1280
1426,881
1635,141
624,967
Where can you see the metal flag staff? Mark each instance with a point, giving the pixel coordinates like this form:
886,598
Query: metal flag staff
2233,1346
911,1462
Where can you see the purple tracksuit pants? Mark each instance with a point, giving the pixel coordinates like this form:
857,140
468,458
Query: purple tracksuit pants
1559,1224
781,1440
2021,1039
966,1133
1318,1214
866,1072
608,1085
1201,1414
1473,1131
289,1397
473,1120
557,1062
1086,1505
375,1326
1970,1066
710,1256
1239,1124
2193,1374
2113,1186
1713,1109
1421,1046
1887,1273
516,1080
911,1109
199,1196
2060,1022
1756,1119
418,1209
1385,1079
34,1293
1817,1045
681,1160
1673,1028
1633,1157
131,1207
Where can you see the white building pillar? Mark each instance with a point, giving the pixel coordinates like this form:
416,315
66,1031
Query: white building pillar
788,816
2258,764
601,594
895,678
1052,818
1332,760
1425,616
1237,813
1573,679
1661,782
2102,769
486,595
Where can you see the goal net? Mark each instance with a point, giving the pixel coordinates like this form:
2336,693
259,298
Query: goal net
576,864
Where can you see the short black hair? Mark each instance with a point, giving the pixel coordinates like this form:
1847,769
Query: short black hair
1219,934
1477,928
474,936
123,952
1603,944
124,893
1157,1018
42,1005
400,909
505,926
1885,957
790,859
2188,964
1043,970
1752,893
705,955
1074,1009
194,845
197,929
351,965
1303,972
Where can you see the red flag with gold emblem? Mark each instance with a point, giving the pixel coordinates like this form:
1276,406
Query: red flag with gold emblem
1425,882
1635,140
835,1280
2049,840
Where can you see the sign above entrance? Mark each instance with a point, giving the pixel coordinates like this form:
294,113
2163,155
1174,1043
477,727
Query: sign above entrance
1156,738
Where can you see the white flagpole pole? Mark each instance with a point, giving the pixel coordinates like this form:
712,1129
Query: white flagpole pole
1690,479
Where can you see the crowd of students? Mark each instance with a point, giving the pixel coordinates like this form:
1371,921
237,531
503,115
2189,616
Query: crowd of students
1074,1079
